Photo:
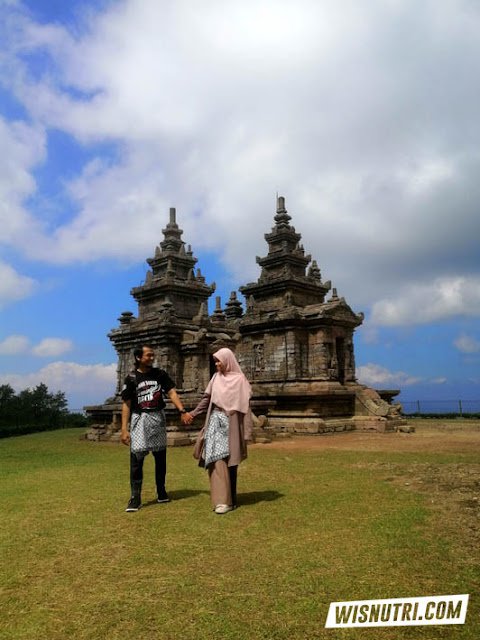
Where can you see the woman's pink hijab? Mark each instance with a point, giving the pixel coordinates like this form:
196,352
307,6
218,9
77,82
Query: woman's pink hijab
229,390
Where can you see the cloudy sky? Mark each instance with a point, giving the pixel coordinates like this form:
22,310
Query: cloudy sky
364,115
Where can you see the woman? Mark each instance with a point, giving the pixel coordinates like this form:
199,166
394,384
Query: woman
221,444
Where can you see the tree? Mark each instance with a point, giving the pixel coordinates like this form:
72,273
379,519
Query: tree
34,410
38,406
7,393
7,404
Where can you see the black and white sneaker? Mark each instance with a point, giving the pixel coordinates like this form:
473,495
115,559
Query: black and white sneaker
162,496
134,504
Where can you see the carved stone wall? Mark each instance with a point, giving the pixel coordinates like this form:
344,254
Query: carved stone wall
295,346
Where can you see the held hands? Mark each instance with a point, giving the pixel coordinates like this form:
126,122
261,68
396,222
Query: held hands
187,418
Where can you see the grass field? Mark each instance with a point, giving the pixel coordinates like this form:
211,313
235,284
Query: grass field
350,517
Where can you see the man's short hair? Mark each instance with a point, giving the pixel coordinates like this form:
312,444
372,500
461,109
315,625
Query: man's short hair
138,351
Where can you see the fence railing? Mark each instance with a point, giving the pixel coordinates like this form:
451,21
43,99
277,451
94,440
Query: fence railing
442,407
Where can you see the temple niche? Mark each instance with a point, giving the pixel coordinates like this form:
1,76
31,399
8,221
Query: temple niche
294,341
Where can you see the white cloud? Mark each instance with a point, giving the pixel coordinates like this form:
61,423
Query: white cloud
429,302
215,109
14,286
23,147
369,333
70,377
52,347
46,348
438,381
14,344
467,344
377,376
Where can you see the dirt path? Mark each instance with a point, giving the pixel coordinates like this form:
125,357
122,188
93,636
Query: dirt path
452,490
435,436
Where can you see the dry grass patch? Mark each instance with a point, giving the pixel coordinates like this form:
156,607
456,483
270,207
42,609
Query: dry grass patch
320,520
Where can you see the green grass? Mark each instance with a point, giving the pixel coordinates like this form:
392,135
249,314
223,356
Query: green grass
313,527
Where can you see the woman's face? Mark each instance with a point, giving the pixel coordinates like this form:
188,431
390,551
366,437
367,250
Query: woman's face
219,366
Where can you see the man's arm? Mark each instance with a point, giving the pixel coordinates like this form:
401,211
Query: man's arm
173,395
126,408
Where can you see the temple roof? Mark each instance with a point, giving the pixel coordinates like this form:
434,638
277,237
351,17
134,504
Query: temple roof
173,277
284,267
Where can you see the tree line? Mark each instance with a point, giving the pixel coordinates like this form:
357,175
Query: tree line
34,410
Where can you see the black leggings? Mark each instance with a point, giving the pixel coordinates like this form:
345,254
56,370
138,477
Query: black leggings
233,484
136,472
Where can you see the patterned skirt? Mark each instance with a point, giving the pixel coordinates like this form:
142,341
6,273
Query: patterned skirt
148,432
216,438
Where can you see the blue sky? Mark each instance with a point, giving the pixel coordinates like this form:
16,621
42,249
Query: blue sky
363,115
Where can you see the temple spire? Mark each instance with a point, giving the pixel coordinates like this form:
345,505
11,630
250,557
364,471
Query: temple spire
283,277
173,218
282,218
172,234
172,277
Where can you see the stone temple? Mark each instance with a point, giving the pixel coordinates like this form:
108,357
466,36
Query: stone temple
294,343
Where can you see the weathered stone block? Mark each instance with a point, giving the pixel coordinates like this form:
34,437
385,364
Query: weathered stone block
177,440
406,428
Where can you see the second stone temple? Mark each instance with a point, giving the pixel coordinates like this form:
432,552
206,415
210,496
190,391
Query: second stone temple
293,343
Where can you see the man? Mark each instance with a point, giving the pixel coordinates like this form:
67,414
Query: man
143,406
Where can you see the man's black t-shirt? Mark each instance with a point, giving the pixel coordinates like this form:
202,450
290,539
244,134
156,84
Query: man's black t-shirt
146,390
